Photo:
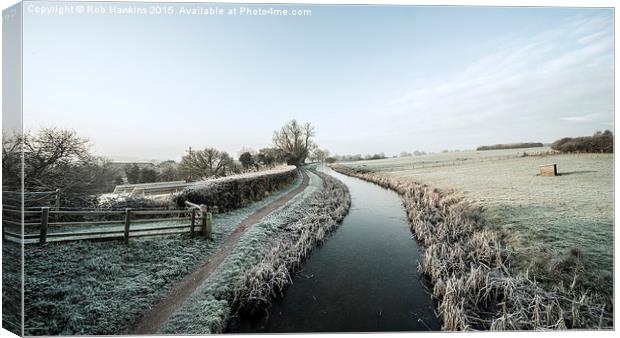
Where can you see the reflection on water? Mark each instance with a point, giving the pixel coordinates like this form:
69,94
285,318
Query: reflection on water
364,278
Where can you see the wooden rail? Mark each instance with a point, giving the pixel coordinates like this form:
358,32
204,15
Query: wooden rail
124,229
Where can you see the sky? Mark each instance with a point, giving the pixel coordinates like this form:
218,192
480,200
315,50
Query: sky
369,78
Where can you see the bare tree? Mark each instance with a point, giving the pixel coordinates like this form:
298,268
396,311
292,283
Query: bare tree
11,161
57,159
210,162
168,171
50,149
295,140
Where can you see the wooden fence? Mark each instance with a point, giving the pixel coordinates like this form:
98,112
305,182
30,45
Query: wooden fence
32,198
130,223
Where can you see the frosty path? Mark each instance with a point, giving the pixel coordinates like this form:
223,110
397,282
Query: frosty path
153,319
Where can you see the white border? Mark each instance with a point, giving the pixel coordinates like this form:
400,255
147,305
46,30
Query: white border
506,3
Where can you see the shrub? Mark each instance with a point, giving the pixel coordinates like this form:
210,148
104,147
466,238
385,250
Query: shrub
600,142
234,192
119,202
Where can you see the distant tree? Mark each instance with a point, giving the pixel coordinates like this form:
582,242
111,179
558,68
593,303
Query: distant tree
148,175
379,156
600,142
247,160
511,146
168,171
405,154
295,140
133,173
247,150
330,160
320,155
206,163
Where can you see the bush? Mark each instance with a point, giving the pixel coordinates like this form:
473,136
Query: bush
120,202
512,146
600,142
234,192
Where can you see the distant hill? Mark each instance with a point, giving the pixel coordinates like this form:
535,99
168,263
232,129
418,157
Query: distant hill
512,146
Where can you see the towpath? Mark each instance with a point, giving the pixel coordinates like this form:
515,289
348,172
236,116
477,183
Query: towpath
151,321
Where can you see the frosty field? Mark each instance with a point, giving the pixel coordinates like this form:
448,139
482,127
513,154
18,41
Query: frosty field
88,287
542,216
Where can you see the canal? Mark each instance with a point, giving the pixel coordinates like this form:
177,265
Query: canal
363,279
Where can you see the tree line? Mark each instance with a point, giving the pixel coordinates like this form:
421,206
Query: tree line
600,142
511,146
55,158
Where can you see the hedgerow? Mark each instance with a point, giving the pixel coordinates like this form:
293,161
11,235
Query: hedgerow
234,192
597,143
512,146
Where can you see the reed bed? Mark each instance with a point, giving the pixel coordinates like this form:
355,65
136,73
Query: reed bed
469,267
256,288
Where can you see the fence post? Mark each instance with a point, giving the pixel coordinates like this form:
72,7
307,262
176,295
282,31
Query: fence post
209,225
203,219
57,199
205,223
127,223
191,231
44,220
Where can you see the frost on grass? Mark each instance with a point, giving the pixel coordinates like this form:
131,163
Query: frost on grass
232,192
263,259
102,287
469,267
543,218
11,287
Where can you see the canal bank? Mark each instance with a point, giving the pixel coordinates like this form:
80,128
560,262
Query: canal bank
363,279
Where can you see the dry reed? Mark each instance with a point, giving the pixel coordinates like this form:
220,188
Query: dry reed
468,264
325,210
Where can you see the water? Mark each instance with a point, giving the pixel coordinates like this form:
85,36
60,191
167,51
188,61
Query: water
363,279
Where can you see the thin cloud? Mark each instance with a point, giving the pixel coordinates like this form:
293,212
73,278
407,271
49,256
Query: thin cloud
581,118
545,76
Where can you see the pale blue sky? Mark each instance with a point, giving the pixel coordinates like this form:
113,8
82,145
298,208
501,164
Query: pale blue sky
370,78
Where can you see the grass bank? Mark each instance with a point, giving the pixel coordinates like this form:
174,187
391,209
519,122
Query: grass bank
263,260
469,267
12,287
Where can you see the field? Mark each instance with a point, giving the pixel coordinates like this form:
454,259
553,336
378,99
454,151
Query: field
542,216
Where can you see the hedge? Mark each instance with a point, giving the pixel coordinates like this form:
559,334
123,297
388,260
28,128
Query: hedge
233,192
